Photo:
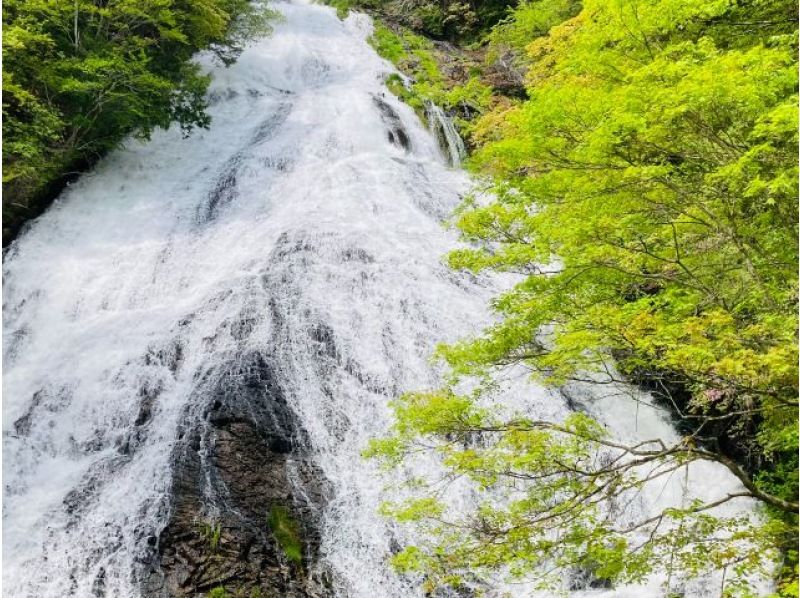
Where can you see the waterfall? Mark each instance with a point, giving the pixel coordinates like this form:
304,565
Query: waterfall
444,131
272,281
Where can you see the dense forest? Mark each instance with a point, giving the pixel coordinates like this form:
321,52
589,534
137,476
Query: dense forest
644,176
78,77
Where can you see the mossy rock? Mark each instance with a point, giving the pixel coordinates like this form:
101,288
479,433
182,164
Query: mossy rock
286,531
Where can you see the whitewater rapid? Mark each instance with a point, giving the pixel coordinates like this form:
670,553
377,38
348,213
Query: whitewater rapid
315,201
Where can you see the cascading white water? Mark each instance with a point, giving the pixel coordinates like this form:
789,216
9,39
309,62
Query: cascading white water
314,201
443,129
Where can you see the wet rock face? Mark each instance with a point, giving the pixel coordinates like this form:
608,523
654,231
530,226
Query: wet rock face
242,455
395,131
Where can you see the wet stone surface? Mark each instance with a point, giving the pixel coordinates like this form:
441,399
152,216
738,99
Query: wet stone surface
242,454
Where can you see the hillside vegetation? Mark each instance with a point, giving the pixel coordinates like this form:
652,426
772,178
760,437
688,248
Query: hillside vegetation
645,187
79,76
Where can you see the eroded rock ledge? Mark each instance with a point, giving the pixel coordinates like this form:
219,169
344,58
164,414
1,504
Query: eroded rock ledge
243,456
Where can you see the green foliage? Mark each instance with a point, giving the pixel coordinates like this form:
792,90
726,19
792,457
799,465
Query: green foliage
343,6
418,58
660,174
390,45
789,586
286,532
79,76
557,488
527,22
413,55
224,592
212,533
646,192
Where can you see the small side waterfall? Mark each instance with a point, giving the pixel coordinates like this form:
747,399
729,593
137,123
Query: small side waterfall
204,332
444,131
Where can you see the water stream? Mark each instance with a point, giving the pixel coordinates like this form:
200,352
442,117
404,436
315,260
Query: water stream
305,227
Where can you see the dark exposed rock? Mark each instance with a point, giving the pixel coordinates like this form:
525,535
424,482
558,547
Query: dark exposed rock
506,77
22,425
243,453
394,126
267,129
99,586
585,579
225,189
357,254
147,397
733,437
48,399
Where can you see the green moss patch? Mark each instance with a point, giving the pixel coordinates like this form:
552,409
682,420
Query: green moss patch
287,532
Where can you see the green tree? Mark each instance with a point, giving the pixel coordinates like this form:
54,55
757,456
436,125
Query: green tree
647,193
79,76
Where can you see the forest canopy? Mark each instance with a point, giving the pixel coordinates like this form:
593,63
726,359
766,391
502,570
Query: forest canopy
79,76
